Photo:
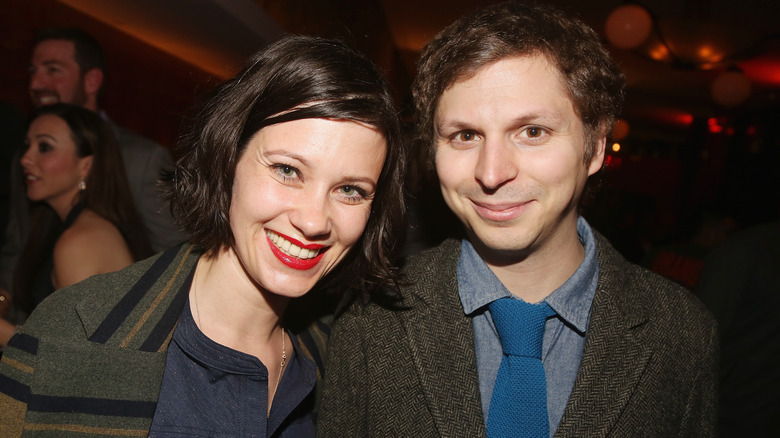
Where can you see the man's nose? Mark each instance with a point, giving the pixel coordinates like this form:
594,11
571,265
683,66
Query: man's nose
496,164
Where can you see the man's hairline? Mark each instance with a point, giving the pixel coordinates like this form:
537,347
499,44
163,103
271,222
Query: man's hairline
82,72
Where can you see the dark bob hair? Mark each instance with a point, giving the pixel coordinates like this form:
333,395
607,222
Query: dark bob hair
295,78
594,82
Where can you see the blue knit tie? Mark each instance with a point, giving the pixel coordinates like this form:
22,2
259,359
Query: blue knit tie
518,407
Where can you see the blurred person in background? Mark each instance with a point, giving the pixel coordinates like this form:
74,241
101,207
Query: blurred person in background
740,284
83,217
67,65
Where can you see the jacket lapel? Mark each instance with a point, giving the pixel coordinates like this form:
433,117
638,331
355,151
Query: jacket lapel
613,359
441,339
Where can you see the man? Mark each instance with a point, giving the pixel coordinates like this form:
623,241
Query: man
516,103
68,66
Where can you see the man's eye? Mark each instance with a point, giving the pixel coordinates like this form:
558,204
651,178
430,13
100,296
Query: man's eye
466,136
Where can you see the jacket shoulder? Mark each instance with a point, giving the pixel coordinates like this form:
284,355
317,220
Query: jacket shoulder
645,294
90,301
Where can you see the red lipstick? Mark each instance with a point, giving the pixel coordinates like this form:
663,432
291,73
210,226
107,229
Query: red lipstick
295,262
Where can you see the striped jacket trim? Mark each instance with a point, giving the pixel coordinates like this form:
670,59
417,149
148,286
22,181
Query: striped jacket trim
91,357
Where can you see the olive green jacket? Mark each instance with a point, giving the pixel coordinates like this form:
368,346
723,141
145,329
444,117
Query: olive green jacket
90,359
648,367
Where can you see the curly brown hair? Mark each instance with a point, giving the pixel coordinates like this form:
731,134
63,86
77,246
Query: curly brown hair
594,82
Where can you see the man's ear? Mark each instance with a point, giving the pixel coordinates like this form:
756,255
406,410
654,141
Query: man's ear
93,80
597,159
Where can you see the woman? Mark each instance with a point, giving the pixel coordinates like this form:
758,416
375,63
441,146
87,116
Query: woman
289,179
83,216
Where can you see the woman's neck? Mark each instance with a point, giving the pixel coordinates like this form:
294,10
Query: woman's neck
63,205
232,310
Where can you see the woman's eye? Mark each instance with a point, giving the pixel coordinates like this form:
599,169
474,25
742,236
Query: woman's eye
350,190
354,193
287,171
44,147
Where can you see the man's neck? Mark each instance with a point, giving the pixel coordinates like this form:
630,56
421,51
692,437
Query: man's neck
542,270
91,104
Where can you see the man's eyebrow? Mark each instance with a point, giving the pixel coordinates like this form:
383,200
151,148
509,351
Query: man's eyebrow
452,124
531,117
45,63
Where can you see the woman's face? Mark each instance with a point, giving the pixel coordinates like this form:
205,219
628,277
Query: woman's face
301,199
52,170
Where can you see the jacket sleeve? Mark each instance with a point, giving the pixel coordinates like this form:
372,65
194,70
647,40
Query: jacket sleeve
16,374
343,406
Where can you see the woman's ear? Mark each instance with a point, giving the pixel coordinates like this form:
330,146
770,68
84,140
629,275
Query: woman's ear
85,166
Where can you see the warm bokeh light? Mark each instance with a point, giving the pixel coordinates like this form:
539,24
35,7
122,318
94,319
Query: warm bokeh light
628,26
714,125
730,88
709,55
762,71
612,161
659,52
616,147
621,129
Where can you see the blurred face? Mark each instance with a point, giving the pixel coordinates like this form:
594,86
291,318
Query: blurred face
54,74
52,170
301,199
509,155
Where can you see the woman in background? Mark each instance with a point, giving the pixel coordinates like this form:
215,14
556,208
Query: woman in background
289,179
83,219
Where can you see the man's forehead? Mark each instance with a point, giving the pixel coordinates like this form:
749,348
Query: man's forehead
54,50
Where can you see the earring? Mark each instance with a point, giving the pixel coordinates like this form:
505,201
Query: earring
83,185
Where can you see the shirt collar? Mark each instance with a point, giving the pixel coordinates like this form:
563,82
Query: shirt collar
478,286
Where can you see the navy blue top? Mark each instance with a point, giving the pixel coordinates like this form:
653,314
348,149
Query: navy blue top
211,390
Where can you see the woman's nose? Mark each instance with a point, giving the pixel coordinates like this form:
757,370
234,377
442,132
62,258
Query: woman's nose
311,215
27,157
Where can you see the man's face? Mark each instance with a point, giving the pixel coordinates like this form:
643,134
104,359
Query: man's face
54,74
509,155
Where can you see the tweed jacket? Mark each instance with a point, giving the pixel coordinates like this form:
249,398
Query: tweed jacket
648,367
90,359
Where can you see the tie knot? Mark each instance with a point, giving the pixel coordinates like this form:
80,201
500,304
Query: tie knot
520,325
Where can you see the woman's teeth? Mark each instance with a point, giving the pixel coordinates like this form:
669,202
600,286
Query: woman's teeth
290,248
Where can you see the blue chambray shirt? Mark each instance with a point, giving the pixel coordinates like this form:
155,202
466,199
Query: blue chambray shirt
564,334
